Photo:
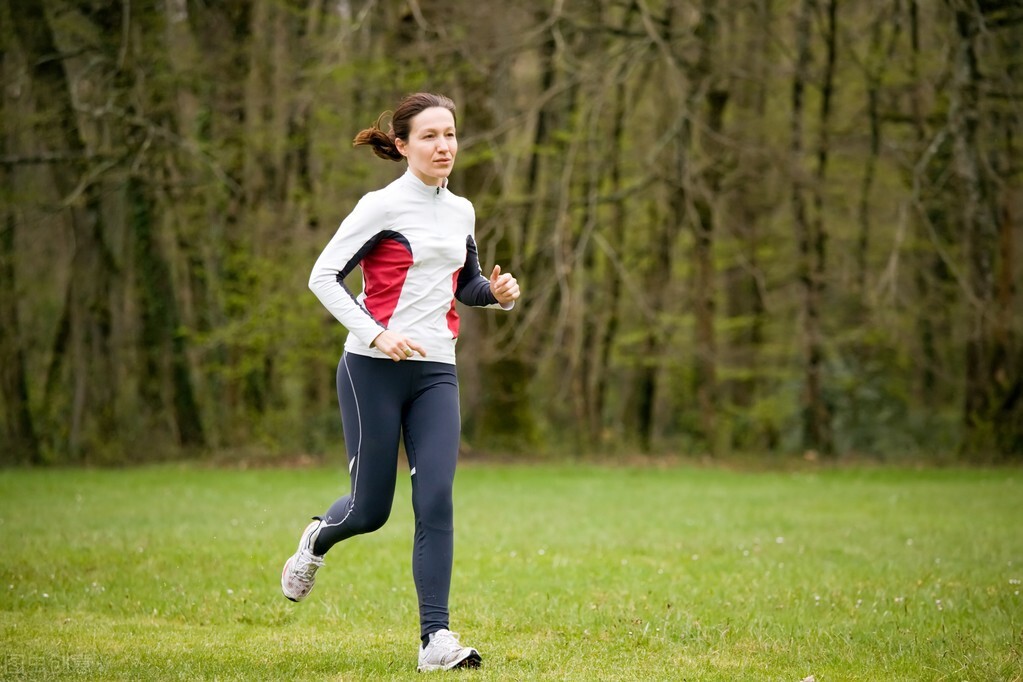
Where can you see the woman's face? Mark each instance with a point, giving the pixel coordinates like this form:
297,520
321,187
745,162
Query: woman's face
431,145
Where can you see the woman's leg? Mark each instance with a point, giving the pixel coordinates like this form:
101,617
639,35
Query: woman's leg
371,392
431,428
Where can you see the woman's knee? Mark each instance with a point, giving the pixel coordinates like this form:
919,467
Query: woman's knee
435,510
368,520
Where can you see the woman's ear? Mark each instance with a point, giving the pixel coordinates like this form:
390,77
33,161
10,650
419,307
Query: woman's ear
399,144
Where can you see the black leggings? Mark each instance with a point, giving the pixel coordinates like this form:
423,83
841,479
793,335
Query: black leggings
382,400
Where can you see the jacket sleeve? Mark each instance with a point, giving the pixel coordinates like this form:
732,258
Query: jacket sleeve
356,237
472,287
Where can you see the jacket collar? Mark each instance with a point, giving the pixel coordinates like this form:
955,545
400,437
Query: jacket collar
409,179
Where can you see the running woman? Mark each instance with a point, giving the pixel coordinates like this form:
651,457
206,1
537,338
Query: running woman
414,241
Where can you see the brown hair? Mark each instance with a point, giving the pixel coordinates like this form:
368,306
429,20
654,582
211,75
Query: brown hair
400,125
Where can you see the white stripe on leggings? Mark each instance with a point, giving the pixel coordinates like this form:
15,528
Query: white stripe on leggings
358,448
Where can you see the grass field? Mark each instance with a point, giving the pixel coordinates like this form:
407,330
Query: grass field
561,573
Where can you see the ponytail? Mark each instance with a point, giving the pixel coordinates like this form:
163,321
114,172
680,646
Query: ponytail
382,143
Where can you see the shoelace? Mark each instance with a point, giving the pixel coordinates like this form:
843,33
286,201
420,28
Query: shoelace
447,639
303,569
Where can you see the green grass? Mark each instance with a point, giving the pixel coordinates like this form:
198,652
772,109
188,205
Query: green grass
561,573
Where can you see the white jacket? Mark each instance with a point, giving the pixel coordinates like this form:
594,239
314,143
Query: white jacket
416,247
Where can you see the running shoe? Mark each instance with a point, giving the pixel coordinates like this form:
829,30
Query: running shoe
299,574
444,652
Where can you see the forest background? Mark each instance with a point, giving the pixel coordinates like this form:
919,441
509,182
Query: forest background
768,227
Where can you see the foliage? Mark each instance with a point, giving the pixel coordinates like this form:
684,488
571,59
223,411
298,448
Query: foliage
748,226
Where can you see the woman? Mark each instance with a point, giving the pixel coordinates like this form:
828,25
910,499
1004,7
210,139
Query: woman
414,241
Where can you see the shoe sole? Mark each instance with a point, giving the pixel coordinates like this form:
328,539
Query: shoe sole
472,661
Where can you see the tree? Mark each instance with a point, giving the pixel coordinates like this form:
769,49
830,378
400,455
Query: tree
992,369
80,376
19,430
810,231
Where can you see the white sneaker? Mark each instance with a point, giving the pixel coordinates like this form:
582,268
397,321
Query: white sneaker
444,653
299,572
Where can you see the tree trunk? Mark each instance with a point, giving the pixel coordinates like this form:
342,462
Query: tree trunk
710,98
992,390
21,442
602,386
746,204
810,240
506,416
928,269
875,64
166,370
88,377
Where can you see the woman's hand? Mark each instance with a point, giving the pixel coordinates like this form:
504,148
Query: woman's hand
504,287
396,345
